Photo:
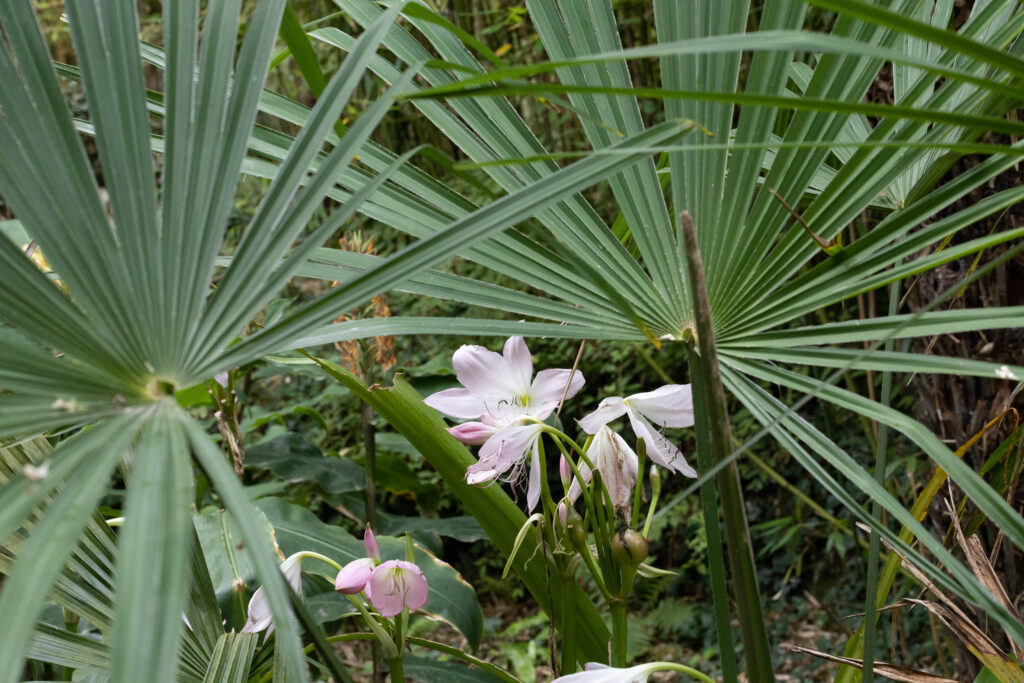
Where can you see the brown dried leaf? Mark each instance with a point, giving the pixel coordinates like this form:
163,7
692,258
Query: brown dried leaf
890,671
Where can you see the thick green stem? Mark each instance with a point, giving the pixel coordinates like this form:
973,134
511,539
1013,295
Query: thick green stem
395,669
370,448
568,626
712,425
620,628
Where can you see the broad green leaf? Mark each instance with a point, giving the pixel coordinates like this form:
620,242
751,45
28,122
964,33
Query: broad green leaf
229,559
294,458
430,670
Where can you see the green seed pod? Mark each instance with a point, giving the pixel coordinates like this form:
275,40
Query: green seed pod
574,530
629,548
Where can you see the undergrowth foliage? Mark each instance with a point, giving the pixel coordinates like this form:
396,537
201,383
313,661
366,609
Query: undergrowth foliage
728,238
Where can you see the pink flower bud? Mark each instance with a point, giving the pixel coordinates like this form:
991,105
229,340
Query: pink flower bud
565,473
370,543
353,576
563,513
472,433
395,585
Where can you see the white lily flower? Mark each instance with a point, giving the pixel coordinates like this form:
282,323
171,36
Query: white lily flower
259,617
668,406
497,388
618,465
507,405
601,673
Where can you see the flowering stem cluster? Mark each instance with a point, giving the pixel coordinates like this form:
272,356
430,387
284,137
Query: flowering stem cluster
505,412
383,594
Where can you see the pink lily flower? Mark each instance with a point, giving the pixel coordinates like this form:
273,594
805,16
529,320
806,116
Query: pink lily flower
506,404
353,576
618,465
396,585
668,406
259,617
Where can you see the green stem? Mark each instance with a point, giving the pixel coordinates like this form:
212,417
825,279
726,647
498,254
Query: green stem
370,499
638,490
395,669
689,671
881,449
712,427
655,495
382,637
322,558
568,626
620,627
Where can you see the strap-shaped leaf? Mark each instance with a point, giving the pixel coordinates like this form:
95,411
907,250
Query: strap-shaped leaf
509,209
42,556
793,431
153,554
223,478
231,658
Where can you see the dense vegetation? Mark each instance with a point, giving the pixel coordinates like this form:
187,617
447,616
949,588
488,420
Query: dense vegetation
247,238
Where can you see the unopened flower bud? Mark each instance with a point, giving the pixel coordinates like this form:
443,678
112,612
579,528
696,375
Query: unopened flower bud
563,513
565,473
629,548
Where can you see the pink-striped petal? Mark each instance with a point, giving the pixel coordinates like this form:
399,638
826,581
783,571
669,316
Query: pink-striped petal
618,465
609,409
395,585
458,402
667,406
517,355
506,449
548,387
487,374
660,449
533,489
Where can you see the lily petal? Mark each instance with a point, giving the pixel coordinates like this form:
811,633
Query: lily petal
549,386
601,673
258,615
575,489
533,490
457,402
395,585
506,449
517,355
487,374
259,618
660,449
667,406
608,410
